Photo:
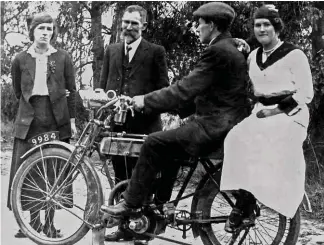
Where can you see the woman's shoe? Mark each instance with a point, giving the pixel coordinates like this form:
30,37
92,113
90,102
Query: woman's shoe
37,227
20,234
51,232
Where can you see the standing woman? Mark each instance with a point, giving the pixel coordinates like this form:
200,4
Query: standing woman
44,83
263,154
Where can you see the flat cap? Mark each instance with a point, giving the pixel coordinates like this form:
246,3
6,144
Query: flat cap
215,9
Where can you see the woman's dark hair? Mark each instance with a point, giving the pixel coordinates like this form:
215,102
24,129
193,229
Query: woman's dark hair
40,19
270,13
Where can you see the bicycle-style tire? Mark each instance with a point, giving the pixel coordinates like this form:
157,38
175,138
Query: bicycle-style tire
81,183
271,227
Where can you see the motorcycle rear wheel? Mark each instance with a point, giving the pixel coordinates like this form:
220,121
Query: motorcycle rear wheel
271,227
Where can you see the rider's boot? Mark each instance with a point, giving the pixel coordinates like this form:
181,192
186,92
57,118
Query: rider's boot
250,211
243,212
234,220
120,210
120,234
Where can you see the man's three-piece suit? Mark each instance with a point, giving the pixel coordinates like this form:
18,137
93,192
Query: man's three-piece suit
146,72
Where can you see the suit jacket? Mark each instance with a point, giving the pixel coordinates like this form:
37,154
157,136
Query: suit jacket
217,90
58,79
149,73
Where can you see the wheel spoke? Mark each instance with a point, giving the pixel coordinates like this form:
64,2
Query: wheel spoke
69,183
270,227
255,232
45,170
39,172
265,228
33,181
72,213
35,205
32,188
31,198
33,195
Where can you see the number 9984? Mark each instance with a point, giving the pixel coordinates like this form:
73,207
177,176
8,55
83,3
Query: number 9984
44,137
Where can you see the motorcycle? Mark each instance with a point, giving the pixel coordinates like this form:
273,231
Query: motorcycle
73,187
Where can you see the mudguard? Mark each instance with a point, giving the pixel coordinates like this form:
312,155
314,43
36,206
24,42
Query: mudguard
95,196
201,194
54,143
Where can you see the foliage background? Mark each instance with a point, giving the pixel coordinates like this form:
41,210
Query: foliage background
84,31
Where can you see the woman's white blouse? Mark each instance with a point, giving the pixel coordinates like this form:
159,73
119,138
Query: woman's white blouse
264,155
40,82
291,73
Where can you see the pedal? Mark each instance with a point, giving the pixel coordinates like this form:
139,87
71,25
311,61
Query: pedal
112,222
247,223
243,226
98,226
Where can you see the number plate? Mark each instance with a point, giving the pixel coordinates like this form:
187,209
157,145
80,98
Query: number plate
44,137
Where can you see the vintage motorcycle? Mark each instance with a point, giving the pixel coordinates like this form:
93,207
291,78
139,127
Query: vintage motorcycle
64,178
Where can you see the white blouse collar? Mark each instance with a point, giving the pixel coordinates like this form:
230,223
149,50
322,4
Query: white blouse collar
33,53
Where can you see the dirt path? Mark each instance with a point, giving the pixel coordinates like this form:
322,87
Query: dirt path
312,232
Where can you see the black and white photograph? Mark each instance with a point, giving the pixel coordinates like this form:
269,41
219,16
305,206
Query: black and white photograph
162,122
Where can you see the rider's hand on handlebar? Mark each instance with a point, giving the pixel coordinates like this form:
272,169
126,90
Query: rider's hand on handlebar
138,102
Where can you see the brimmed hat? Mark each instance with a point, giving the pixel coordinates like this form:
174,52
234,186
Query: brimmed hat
215,9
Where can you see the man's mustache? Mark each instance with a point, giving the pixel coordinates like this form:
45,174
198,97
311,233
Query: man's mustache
129,33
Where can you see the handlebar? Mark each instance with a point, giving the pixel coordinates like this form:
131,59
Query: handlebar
100,100
122,104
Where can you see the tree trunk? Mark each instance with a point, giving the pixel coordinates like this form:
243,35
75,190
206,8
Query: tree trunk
317,123
317,32
2,4
98,43
116,26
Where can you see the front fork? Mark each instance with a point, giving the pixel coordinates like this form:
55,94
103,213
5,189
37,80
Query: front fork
84,144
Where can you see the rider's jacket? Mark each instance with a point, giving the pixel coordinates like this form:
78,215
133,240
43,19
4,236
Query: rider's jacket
216,89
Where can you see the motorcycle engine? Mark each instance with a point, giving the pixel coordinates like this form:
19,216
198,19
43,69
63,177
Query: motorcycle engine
150,221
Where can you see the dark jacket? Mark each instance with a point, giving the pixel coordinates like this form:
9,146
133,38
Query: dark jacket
217,90
149,73
58,79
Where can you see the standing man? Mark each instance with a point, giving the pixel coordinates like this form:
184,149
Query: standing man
131,68
217,86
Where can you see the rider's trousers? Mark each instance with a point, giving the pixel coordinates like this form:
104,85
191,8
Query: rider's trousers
157,154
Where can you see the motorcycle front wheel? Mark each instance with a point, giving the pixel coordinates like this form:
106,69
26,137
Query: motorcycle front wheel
76,201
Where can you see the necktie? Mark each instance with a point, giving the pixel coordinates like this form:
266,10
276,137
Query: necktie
128,48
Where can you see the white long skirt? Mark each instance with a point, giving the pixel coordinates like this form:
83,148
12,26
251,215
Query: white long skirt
265,157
